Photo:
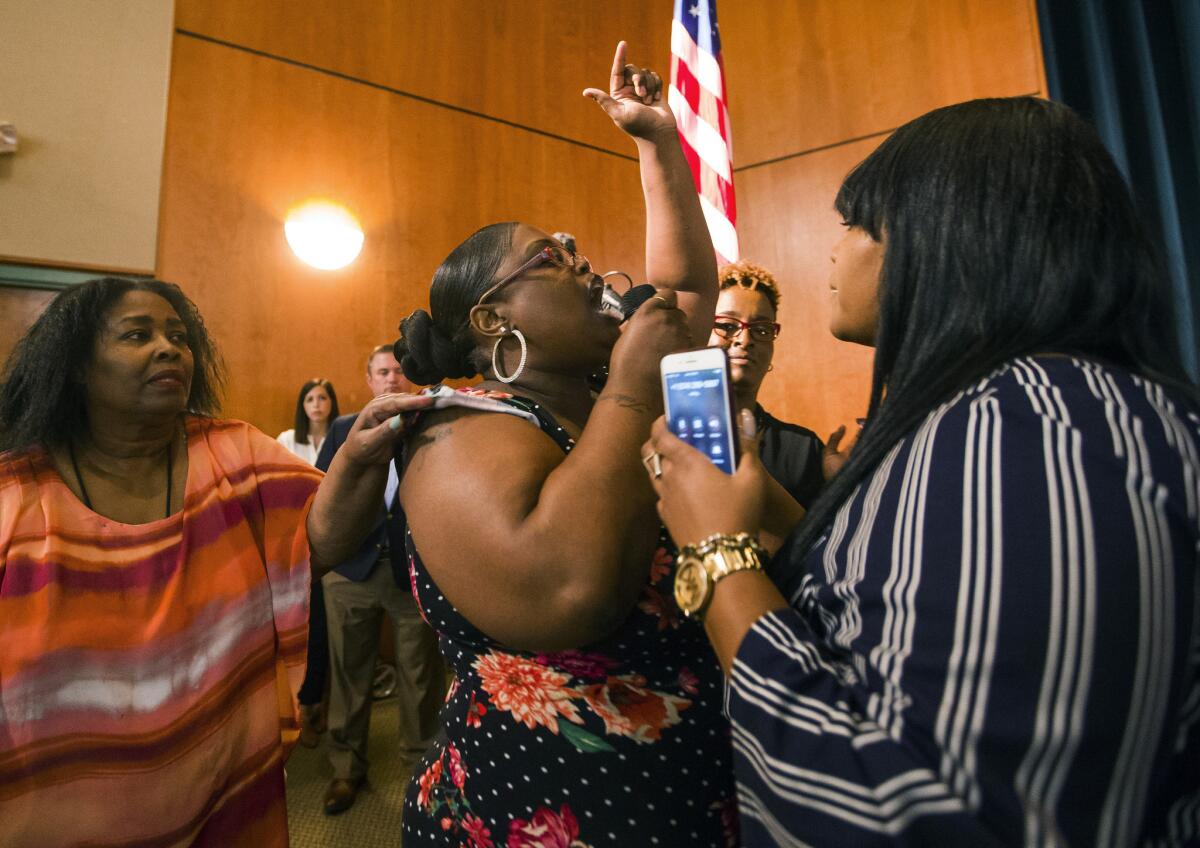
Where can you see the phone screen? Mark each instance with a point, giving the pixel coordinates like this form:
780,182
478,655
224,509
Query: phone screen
698,411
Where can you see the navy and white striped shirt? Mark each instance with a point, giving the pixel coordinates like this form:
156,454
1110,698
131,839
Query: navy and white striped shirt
997,641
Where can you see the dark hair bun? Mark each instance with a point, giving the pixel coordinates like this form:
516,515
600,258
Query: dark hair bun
425,354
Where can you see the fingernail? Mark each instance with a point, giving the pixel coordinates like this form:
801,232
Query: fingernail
746,418
395,423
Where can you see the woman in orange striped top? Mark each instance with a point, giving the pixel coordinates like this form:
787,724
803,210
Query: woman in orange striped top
154,577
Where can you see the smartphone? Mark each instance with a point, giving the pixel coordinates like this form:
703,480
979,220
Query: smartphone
698,399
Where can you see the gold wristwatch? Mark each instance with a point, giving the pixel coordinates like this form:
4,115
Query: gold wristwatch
698,568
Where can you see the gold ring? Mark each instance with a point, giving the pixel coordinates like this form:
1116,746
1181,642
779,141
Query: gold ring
653,463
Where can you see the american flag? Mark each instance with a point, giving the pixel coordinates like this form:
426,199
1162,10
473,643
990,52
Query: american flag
697,97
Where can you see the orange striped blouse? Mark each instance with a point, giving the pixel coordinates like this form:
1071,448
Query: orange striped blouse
148,673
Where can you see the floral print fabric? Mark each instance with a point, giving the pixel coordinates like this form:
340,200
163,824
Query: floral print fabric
618,743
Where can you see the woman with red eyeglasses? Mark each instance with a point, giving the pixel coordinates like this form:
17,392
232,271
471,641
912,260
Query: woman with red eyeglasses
586,710
746,328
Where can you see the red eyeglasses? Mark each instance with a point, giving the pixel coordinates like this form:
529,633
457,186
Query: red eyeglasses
548,255
730,328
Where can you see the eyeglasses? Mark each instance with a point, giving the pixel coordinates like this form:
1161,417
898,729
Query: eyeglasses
551,255
731,328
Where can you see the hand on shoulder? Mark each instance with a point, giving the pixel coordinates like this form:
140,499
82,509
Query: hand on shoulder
382,423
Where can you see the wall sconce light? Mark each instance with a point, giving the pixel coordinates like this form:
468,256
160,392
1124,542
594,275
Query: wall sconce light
8,137
323,235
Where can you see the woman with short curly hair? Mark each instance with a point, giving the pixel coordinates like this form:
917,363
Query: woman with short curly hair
746,327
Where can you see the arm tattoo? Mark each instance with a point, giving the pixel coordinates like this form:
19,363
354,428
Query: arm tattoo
625,401
426,437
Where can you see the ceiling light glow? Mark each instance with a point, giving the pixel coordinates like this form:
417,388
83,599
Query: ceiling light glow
323,235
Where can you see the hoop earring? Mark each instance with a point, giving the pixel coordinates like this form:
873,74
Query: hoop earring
520,365
770,367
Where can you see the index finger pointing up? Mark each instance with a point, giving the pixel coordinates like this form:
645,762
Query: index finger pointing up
616,79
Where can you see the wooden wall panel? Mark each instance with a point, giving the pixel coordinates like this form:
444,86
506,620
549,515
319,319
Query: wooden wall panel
789,226
810,73
814,84
19,308
524,61
248,137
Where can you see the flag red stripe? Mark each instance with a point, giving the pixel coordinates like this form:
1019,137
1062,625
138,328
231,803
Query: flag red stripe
702,175
696,94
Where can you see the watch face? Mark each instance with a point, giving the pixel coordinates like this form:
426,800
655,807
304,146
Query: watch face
691,585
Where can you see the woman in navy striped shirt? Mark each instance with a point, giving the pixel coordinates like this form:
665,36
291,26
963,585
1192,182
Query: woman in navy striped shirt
986,630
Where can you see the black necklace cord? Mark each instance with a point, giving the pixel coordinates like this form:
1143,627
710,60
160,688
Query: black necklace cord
79,477
87,501
170,456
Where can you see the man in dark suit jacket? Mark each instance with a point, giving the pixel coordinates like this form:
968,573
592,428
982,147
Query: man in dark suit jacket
358,592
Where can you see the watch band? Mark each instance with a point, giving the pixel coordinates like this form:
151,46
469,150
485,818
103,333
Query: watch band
699,568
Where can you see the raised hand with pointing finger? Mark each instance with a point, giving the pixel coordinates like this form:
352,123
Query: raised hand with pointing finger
634,99
679,252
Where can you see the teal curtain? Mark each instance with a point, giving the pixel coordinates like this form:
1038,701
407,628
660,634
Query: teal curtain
1133,68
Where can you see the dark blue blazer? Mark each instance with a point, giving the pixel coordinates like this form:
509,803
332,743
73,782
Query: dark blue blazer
389,530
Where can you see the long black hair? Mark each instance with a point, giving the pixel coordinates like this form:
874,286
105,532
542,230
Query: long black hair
42,400
438,344
1007,230
302,423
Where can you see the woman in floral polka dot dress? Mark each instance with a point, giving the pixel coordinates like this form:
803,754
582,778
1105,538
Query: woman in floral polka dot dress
619,743
586,710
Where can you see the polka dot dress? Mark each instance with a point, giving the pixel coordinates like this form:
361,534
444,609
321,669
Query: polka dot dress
621,742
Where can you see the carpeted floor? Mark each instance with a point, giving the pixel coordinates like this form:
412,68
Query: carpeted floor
374,820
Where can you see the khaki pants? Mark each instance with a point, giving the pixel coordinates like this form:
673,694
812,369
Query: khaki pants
355,612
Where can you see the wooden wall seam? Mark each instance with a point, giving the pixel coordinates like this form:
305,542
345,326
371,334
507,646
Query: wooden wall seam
774,160
98,270
785,157
401,93
1036,33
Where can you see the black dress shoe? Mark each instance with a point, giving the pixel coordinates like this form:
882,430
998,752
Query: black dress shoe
341,794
